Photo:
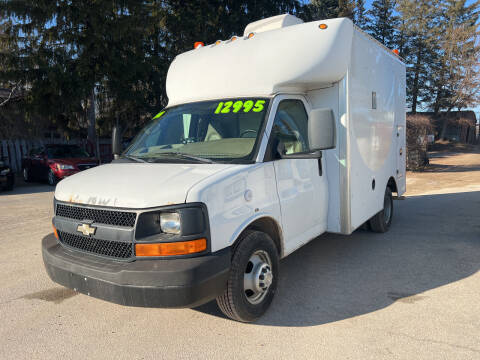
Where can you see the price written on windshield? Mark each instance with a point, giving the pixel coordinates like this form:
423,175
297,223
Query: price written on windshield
239,105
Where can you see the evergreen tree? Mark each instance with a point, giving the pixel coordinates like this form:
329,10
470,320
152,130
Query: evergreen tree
360,16
420,25
322,9
382,21
346,8
88,64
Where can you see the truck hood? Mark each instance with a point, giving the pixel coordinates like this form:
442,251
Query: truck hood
134,185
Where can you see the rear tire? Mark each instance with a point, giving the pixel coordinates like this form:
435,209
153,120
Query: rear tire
381,222
253,278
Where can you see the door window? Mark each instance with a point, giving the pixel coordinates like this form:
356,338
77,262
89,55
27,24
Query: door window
290,126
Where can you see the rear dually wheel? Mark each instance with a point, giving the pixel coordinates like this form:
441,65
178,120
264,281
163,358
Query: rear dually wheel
381,222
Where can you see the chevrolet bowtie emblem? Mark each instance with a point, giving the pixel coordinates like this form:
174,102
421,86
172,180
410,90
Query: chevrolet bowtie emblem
86,229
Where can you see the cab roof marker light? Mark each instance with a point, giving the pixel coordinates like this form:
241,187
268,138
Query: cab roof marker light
198,44
249,36
323,26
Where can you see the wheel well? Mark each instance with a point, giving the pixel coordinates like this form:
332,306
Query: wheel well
392,184
270,227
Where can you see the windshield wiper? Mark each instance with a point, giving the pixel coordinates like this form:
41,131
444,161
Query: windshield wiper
134,158
187,156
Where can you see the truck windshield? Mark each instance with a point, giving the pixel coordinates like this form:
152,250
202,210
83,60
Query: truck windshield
210,131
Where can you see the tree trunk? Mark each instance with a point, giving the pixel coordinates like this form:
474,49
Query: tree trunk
415,82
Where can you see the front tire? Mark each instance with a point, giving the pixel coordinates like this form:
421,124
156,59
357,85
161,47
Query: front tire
26,175
381,222
52,179
253,278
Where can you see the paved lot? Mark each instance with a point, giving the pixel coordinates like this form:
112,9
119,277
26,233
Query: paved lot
413,293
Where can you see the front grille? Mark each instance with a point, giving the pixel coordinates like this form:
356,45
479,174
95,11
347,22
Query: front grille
85,166
114,249
108,217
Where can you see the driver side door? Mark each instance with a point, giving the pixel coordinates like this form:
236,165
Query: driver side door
301,183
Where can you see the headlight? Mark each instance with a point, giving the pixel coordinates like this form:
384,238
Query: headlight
185,221
65,167
4,172
170,222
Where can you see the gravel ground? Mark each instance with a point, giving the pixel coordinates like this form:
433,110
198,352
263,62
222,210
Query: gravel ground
412,293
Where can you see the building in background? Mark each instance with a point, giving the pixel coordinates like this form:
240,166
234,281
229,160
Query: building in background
461,125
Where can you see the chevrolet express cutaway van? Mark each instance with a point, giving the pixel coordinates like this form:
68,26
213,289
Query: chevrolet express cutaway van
268,141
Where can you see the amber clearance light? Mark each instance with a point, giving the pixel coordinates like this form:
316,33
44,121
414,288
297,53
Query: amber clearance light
171,249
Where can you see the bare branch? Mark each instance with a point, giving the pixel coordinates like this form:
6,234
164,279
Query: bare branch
11,94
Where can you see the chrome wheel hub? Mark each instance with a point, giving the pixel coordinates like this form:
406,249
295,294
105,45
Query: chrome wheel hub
258,277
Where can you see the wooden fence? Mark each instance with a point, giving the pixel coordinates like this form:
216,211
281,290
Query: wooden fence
13,151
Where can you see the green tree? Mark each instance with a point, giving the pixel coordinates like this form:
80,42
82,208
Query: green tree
383,22
71,54
419,23
90,63
360,14
346,8
322,9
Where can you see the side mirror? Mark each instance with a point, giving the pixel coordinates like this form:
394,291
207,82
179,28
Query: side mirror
321,129
116,141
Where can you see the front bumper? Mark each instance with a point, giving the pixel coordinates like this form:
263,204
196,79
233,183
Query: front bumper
179,283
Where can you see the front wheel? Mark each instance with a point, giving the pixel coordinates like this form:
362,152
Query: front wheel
253,278
26,175
52,179
381,222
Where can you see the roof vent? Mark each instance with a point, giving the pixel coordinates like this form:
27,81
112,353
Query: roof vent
272,23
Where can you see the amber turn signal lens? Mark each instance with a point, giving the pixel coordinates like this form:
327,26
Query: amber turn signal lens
171,249
55,232
323,26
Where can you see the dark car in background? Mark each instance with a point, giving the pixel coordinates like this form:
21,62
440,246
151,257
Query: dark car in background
55,162
7,178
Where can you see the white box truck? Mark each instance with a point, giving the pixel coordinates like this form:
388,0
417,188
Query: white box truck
269,140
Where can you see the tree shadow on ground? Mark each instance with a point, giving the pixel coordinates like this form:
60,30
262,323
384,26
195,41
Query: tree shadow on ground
441,168
434,241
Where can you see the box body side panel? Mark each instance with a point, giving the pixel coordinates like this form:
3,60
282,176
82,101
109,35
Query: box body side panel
376,104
